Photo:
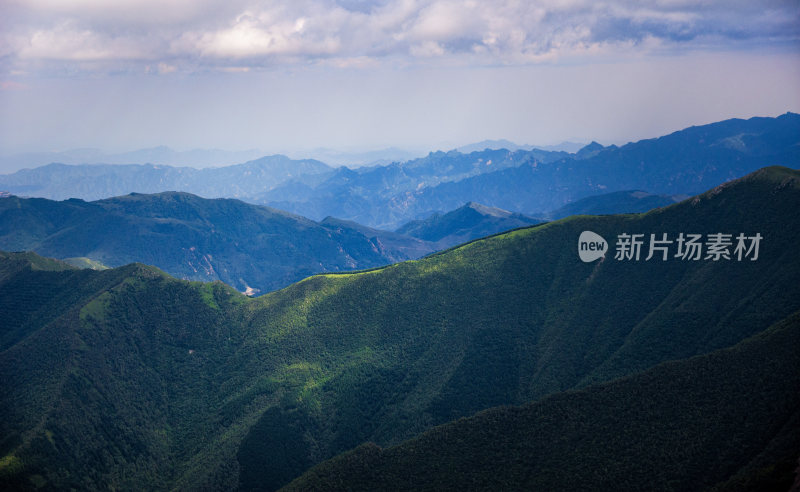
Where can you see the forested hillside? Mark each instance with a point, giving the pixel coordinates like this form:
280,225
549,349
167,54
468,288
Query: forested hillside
244,245
729,420
131,379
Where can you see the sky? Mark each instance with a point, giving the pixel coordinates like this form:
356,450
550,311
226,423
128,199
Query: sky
364,75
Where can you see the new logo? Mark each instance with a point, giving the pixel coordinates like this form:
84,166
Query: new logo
686,247
591,246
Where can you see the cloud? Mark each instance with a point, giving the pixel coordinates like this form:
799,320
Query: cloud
164,68
68,41
194,34
258,34
427,49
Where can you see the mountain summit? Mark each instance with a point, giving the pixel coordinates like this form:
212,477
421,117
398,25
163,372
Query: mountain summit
471,221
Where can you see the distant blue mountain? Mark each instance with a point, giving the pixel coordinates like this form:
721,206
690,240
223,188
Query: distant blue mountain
380,157
385,196
568,147
97,181
536,182
533,182
155,155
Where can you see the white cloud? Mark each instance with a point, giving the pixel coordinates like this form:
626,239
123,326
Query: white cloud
427,49
255,34
68,41
447,20
267,32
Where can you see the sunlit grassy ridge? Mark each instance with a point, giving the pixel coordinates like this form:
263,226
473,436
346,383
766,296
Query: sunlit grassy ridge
128,378
83,262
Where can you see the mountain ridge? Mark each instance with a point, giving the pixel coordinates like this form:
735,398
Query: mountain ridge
465,223
99,181
130,378
533,182
626,201
245,245
536,182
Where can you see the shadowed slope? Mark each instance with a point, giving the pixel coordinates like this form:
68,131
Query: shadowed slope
730,417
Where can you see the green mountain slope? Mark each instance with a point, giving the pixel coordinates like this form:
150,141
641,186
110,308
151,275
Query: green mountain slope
83,262
198,239
730,419
147,382
34,291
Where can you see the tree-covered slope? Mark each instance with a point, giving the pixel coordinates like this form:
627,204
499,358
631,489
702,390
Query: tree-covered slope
35,290
107,394
194,238
729,419
148,382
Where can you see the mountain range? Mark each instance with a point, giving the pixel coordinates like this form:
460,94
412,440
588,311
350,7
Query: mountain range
508,360
98,181
569,147
532,181
162,155
536,182
252,248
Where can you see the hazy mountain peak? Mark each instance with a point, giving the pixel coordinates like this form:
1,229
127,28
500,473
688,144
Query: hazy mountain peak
486,210
491,145
592,146
470,221
269,159
589,150
566,146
